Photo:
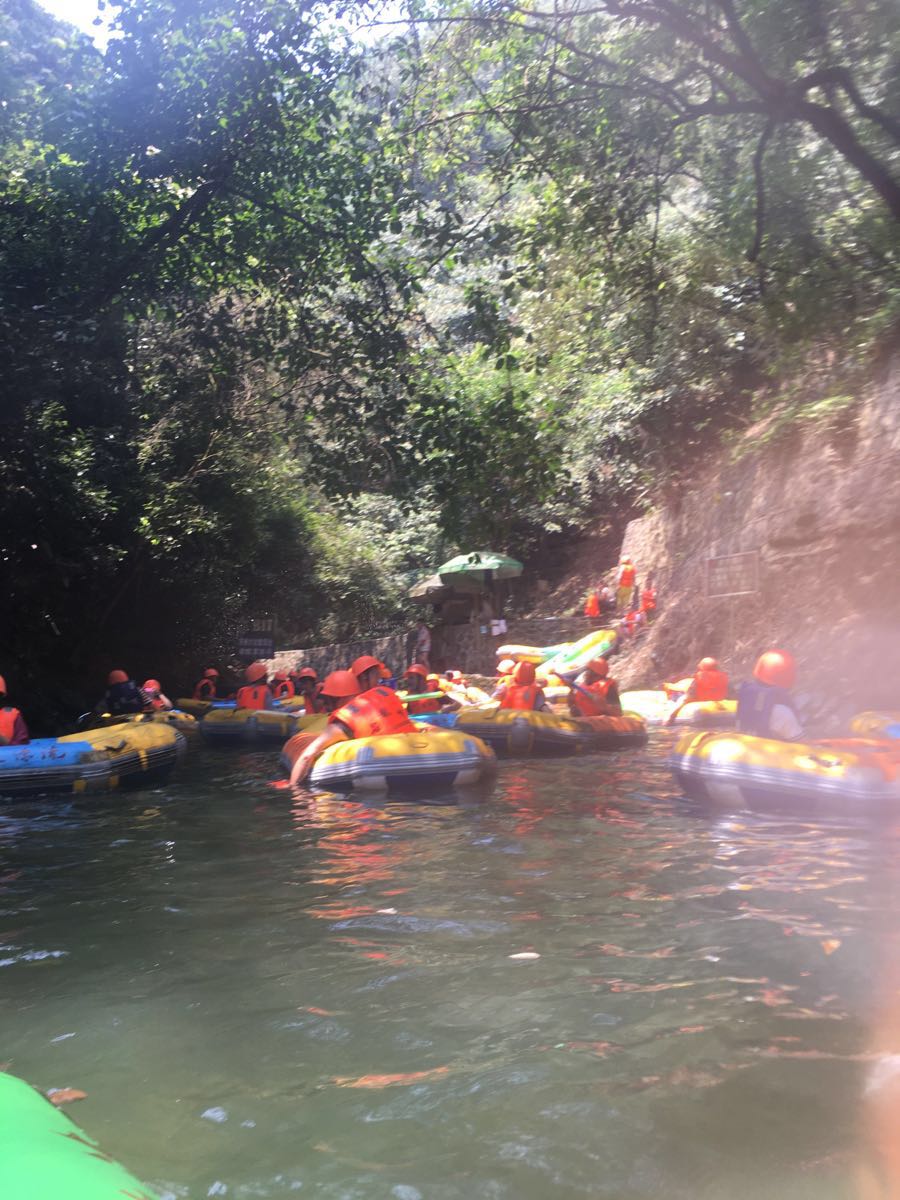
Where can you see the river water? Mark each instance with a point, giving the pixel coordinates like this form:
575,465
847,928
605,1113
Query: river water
265,996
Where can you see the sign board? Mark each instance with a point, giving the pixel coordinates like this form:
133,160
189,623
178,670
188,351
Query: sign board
253,645
733,574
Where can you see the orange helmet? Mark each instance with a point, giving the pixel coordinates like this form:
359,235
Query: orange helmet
280,676
255,672
307,673
524,673
116,677
365,662
151,685
599,666
2,686
340,685
210,673
417,669
505,665
708,664
776,667
384,671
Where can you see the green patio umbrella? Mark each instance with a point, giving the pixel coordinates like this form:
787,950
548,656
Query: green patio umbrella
479,566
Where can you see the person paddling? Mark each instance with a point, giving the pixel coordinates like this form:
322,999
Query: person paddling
152,689
523,692
709,682
255,693
593,692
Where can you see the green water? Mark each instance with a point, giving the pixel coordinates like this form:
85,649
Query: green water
265,997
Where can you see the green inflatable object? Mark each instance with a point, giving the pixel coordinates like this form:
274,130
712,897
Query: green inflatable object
45,1156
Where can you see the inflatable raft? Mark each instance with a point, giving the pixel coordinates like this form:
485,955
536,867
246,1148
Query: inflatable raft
739,770
44,1155
394,762
877,725
567,656
655,706
236,726
182,721
97,760
521,732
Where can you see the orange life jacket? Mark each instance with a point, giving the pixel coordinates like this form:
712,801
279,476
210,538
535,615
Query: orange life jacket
595,704
648,599
519,695
423,706
8,717
592,605
375,712
627,575
710,685
283,690
255,695
205,690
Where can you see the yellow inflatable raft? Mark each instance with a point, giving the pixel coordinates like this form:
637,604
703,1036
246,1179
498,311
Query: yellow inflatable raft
230,726
739,770
425,759
182,721
655,706
523,732
877,725
96,760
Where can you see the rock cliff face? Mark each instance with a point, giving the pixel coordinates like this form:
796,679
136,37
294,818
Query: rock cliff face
821,509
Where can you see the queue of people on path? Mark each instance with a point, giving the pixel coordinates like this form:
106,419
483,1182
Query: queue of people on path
633,603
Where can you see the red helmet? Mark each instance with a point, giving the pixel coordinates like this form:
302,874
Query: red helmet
365,662
417,669
151,685
116,677
524,673
384,671
307,673
505,665
708,664
255,672
776,667
280,676
2,686
599,666
340,685
210,673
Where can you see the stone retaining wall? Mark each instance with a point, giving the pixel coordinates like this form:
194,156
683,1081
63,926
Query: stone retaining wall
463,647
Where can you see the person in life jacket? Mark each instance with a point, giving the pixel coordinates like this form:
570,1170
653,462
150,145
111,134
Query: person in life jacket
367,670
625,578
255,693
281,686
415,682
306,684
122,696
356,714
709,682
152,689
13,730
648,599
593,692
592,605
523,692
207,688
765,708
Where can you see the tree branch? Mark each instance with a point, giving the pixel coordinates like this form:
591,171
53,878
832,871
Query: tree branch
759,180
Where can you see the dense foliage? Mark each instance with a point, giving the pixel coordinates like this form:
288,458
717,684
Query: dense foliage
286,316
